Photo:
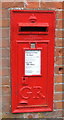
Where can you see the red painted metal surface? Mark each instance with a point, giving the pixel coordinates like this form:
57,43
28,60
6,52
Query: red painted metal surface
32,90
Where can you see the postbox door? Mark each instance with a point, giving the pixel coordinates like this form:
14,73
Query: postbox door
32,60
32,84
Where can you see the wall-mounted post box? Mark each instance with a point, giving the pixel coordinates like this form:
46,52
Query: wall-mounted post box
32,60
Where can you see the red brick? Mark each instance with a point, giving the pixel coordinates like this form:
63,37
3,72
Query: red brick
6,99
5,13
5,23
58,105
5,62
0,22
58,96
5,52
59,69
0,52
59,34
5,72
5,80
32,5
8,1
63,5
51,5
12,4
0,62
60,14
60,24
6,90
6,108
0,42
59,87
5,33
0,13
59,78
59,43
59,51
5,43
17,0
0,33
0,4
59,60
0,72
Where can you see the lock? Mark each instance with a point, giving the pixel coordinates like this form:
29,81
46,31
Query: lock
32,60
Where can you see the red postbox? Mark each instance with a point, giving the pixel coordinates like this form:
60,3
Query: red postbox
32,60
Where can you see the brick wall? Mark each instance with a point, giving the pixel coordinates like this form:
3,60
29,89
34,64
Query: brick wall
59,58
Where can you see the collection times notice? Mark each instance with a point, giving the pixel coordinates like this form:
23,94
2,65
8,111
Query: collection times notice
32,62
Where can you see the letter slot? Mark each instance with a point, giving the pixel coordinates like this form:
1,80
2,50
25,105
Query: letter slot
33,29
